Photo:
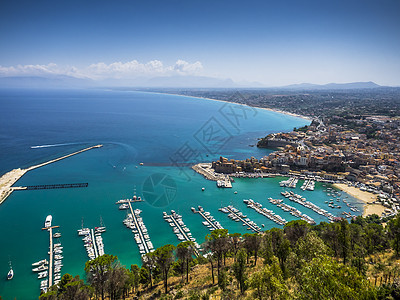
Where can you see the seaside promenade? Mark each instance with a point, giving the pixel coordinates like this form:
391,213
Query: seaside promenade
9,179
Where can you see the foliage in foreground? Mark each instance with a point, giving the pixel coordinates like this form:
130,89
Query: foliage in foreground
341,260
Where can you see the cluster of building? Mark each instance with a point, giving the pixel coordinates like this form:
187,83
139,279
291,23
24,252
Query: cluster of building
332,152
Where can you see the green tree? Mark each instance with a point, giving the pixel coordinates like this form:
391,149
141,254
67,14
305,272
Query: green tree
117,278
235,241
252,243
239,270
218,244
269,282
325,278
184,252
394,233
296,229
164,257
135,277
98,270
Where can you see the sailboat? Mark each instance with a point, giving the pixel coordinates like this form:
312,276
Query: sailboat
10,274
102,228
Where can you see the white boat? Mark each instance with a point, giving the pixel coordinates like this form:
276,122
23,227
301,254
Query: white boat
41,262
10,273
47,223
57,235
40,268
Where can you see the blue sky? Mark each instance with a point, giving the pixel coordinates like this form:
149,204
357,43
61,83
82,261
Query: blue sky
271,42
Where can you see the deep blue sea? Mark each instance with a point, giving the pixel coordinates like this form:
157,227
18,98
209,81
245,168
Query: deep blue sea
167,133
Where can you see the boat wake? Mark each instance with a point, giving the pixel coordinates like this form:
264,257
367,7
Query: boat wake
53,145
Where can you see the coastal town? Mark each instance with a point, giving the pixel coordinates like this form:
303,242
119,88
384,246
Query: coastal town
357,152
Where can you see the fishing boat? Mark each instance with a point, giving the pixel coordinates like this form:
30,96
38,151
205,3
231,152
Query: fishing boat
10,273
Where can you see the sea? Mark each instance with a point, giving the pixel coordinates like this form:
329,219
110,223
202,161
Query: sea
150,141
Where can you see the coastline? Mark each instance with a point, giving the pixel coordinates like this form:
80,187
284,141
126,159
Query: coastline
368,198
225,101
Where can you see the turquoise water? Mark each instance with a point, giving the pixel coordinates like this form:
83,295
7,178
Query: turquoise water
133,127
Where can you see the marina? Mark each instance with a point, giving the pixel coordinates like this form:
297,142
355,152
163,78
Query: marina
181,231
237,216
209,222
302,201
265,212
293,211
134,222
93,241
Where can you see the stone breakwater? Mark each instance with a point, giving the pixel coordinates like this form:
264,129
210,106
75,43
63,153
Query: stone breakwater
9,179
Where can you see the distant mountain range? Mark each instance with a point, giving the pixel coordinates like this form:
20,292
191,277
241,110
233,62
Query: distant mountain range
332,86
62,81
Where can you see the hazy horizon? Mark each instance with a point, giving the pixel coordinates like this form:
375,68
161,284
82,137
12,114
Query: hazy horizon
257,43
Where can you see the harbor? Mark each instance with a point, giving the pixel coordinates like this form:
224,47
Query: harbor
238,216
181,231
209,220
265,212
293,211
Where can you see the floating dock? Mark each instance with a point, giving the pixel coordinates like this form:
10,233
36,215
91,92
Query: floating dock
9,179
47,271
136,224
209,222
180,229
302,201
265,212
308,185
237,216
293,211
291,182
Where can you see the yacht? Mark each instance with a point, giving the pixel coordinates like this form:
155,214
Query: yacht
47,223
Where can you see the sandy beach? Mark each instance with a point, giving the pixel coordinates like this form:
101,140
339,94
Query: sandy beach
270,109
367,197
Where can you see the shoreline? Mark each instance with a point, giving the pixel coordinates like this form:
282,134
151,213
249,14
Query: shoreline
366,197
225,101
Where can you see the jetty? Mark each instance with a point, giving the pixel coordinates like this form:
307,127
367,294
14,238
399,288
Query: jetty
302,201
134,222
180,229
46,283
9,179
265,212
291,182
293,211
205,169
238,216
308,185
209,222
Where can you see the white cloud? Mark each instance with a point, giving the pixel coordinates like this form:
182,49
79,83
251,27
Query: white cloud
101,70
